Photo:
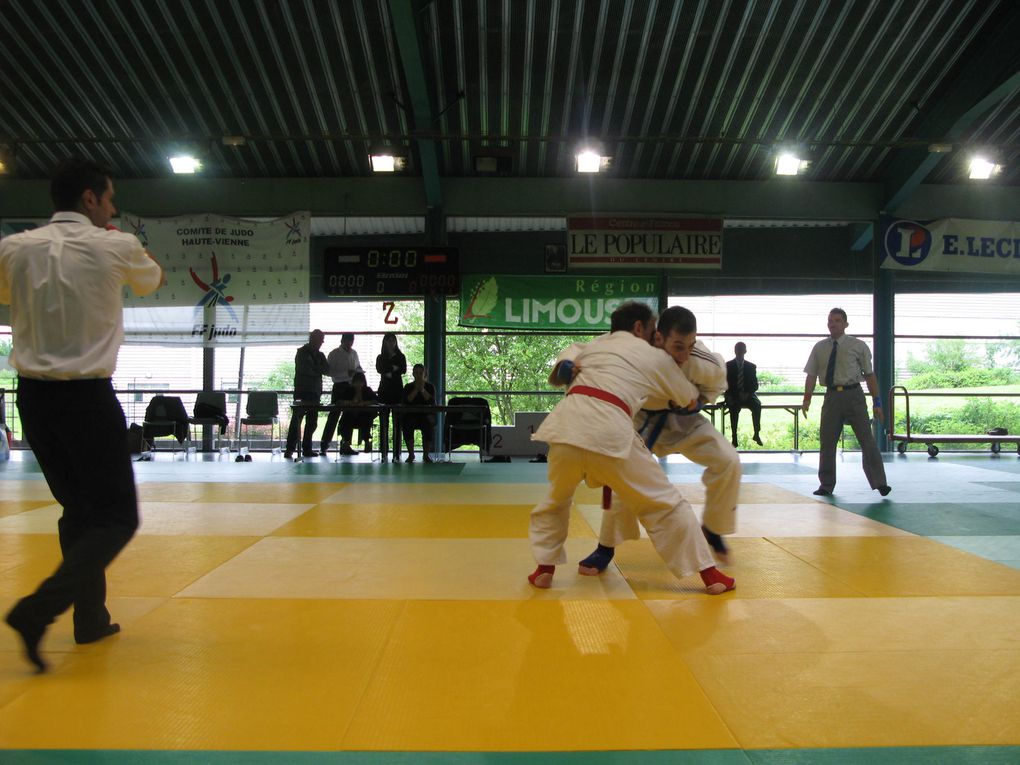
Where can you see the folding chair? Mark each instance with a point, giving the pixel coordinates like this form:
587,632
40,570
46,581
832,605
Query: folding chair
470,427
210,409
166,416
263,409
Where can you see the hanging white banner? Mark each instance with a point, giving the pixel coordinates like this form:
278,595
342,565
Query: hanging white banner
230,281
951,244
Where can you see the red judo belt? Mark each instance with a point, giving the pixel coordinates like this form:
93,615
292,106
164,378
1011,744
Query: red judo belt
584,390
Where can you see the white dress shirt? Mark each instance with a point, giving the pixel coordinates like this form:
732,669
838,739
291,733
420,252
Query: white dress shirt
63,282
343,364
853,360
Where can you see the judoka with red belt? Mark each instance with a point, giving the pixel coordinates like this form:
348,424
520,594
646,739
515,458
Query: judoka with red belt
667,430
591,439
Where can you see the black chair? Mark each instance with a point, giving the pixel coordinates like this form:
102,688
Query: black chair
263,409
211,409
166,416
472,427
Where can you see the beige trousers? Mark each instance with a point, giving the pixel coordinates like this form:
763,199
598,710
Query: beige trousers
702,444
639,481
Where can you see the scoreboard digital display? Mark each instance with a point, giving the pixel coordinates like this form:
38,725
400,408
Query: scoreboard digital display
391,271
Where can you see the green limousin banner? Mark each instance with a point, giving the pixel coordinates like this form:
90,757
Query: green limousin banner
550,302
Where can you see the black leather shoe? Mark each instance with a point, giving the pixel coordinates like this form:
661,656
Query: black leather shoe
883,490
309,454
110,629
822,492
757,439
347,451
30,639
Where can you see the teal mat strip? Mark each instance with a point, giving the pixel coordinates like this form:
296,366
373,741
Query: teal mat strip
944,518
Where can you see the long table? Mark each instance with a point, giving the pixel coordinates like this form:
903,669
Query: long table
401,409
384,411
381,409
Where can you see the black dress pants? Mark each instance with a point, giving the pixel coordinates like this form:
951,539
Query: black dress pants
311,418
77,432
734,403
341,392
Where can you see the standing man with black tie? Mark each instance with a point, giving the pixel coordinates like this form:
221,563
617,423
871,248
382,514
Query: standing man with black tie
741,384
840,362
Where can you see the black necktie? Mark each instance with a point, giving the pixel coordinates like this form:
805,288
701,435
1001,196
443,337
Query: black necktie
830,369
740,376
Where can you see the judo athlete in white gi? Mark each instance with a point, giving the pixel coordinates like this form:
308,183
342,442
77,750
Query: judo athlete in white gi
591,438
672,431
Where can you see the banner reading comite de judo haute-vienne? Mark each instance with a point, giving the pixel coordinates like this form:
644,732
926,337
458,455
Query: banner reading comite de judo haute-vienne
550,302
951,244
229,280
620,241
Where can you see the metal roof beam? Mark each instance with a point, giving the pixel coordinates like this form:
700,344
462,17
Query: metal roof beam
953,114
405,27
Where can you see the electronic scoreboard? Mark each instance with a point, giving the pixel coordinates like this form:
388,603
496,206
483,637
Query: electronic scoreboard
391,271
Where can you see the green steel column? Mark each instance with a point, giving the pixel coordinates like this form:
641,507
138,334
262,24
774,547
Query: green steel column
208,377
435,323
885,330
208,383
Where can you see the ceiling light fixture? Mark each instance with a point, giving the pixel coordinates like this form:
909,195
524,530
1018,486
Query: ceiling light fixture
940,148
386,158
981,169
493,162
383,163
184,164
233,140
788,163
589,161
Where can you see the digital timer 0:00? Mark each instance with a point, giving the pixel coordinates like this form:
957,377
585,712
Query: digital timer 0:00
390,271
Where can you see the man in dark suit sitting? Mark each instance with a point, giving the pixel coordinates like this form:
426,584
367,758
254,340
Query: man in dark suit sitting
742,382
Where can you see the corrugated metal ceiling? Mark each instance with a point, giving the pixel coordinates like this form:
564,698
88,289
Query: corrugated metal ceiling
695,89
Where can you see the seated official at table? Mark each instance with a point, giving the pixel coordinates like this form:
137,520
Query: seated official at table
418,393
360,393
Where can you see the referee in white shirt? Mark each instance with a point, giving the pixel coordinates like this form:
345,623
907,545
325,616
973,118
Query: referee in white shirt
840,362
63,282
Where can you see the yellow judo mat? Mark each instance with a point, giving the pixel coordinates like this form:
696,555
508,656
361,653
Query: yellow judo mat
396,617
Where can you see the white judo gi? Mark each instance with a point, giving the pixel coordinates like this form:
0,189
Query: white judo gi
594,441
694,437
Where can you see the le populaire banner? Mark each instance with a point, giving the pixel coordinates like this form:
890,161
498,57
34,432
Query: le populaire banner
617,241
230,281
550,302
951,244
